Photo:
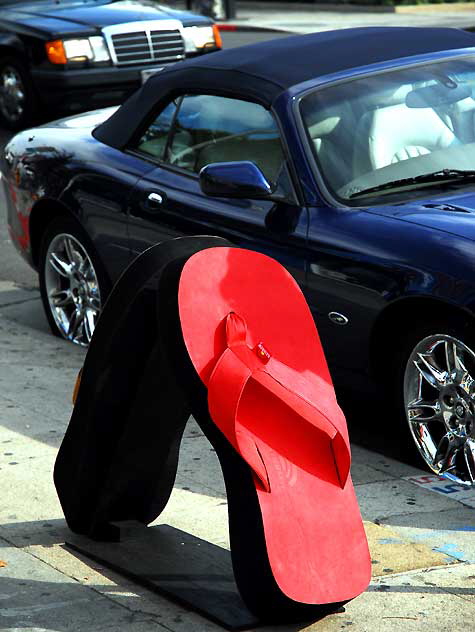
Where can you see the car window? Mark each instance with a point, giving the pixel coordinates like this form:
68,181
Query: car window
217,129
154,139
374,134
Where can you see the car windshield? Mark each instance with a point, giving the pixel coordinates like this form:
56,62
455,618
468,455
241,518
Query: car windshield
391,135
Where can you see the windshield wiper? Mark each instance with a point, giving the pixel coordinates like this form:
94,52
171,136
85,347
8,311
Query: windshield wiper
443,175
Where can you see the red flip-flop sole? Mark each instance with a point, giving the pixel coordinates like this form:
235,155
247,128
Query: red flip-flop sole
314,535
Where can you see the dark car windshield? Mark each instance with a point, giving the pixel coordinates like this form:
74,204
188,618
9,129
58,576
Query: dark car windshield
384,134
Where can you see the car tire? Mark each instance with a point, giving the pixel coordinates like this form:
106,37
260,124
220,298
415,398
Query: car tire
435,397
73,281
18,101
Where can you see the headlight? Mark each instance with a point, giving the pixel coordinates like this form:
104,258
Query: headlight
85,49
78,50
99,48
201,37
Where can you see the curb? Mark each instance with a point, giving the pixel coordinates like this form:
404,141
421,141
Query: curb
364,6
448,7
246,28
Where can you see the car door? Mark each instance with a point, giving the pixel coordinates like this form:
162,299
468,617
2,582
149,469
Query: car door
197,130
348,282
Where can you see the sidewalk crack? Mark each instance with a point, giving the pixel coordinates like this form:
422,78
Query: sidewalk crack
20,301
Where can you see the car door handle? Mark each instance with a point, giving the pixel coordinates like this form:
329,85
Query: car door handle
155,199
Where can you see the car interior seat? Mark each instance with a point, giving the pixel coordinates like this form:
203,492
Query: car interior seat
331,136
394,133
398,133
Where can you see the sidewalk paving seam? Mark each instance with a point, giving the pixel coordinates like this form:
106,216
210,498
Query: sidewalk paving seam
378,521
25,550
380,580
407,480
454,594
19,302
378,583
448,511
379,481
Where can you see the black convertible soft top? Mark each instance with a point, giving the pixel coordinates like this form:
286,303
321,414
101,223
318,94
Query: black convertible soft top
260,72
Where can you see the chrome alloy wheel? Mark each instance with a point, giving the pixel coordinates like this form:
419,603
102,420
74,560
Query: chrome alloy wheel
12,94
439,398
72,289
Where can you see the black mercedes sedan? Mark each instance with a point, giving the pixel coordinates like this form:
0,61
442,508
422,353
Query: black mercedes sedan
348,156
76,55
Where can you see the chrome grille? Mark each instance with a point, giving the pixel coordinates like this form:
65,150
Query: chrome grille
148,46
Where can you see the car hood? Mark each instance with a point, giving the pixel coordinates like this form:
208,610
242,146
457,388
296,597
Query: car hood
454,214
71,15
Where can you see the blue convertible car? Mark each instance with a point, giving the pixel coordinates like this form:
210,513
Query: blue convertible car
349,156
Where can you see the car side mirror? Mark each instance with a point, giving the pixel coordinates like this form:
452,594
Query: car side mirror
240,179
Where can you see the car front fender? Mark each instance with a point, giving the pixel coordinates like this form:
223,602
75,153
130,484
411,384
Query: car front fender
12,42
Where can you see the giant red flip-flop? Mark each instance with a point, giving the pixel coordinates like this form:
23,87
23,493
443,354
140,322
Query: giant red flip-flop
253,342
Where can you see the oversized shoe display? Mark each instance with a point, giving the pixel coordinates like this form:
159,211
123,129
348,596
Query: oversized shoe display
195,326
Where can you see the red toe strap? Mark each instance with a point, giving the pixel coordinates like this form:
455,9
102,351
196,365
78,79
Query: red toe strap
234,368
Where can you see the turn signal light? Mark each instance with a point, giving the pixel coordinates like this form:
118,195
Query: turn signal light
217,36
55,52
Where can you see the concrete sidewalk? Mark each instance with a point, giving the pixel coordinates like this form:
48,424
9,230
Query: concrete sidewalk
308,18
420,528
